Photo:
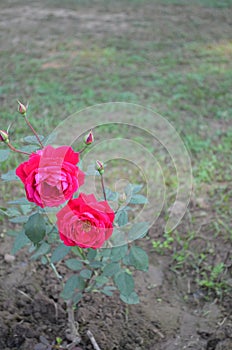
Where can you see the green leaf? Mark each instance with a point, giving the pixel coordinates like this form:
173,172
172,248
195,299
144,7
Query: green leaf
32,139
20,241
26,209
117,253
44,260
121,217
101,280
130,299
35,228
30,148
4,154
12,212
133,188
10,176
86,274
20,201
138,258
105,252
125,282
110,195
118,238
96,264
3,211
74,264
138,199
42,250
76,298
91,171
92,253
48,140
59,253
111,269
20,219
74,282
12,233
51,229
138,230
77,251
51,237
126,260
107,290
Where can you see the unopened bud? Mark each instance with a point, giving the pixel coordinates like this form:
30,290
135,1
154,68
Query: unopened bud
4,137
99,167
88,139
21,108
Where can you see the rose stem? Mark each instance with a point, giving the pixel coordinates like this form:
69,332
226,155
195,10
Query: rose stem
54,268
83,149
74,335
73,326
33,130
16,150
103,187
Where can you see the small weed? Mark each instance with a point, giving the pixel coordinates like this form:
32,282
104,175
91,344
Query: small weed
162,246
211,278
46,345
206,168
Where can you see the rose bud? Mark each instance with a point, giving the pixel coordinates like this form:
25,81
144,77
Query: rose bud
21,108
99,167
88,139
4,137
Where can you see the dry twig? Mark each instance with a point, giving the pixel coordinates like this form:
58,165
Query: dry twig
157,331
92,339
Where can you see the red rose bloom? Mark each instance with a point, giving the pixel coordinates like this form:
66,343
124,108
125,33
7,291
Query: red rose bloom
51,176
85,222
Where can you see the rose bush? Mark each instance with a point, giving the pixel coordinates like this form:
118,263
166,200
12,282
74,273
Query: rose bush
51,176
85,222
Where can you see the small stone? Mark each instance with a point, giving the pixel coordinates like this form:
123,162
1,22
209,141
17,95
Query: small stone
139,340
109,321
9,258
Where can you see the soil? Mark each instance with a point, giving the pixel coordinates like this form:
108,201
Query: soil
174,313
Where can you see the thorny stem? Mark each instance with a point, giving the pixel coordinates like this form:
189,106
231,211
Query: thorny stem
33,130
16,150
103,187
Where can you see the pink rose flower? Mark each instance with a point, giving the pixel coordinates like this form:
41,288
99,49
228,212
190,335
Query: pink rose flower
85,222
51,176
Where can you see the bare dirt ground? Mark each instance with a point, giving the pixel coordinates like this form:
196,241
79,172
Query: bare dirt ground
174,313
164,319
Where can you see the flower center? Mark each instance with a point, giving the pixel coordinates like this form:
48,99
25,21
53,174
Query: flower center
86,226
